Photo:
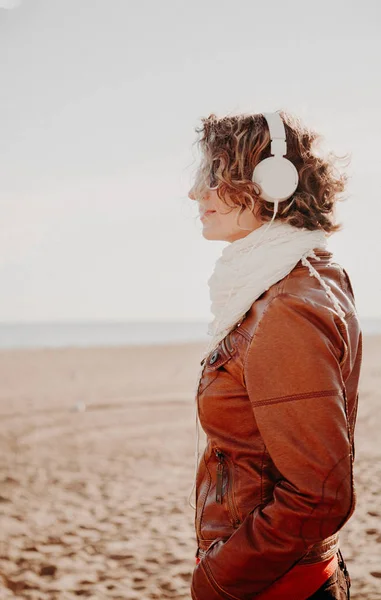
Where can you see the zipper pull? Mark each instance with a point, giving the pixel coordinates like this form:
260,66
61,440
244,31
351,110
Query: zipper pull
220,472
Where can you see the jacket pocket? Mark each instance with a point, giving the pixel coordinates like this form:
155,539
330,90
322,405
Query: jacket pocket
216,512
202,495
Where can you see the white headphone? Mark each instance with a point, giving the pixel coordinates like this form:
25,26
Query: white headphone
276,175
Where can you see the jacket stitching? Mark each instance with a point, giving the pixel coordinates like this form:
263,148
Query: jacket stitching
348,282
241,330
313,509
262,463
292,397
343,482
201,388
213,582
233,489
267,307
351,443
280,291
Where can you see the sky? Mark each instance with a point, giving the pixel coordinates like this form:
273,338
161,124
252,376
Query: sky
99,101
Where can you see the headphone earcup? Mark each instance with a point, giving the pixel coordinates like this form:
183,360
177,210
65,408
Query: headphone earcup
277,177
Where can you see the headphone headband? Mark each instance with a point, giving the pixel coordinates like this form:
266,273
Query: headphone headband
277,133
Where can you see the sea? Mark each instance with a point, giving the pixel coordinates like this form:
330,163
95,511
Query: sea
84,334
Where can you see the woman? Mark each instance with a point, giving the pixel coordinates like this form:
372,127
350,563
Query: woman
278,388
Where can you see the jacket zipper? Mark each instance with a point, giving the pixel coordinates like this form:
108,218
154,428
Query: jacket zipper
219,480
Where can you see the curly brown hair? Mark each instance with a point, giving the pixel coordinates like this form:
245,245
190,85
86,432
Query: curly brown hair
231,146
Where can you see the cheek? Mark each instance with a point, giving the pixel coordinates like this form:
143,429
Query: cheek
225,211
226,215
221,208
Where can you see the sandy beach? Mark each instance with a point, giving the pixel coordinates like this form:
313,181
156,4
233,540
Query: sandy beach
97,462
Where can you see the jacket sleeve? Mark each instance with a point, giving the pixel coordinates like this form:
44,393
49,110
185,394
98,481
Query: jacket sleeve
294,383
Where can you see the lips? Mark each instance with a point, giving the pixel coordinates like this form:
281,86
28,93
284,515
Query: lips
206,213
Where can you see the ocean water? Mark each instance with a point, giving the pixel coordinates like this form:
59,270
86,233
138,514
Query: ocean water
83,334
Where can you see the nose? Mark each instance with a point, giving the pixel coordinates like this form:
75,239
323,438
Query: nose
205,195
191,195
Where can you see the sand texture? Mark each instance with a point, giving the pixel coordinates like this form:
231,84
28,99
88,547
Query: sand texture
94,502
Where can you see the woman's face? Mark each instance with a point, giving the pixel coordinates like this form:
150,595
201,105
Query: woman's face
220,224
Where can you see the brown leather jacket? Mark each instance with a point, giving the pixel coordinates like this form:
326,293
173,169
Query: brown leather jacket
278,401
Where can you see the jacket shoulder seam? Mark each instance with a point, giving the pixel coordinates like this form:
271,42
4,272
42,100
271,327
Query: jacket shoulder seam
245,333
279,295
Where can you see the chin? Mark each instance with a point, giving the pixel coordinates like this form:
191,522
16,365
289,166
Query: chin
214,235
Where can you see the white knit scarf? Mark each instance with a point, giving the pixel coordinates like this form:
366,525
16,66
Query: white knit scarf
250,265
